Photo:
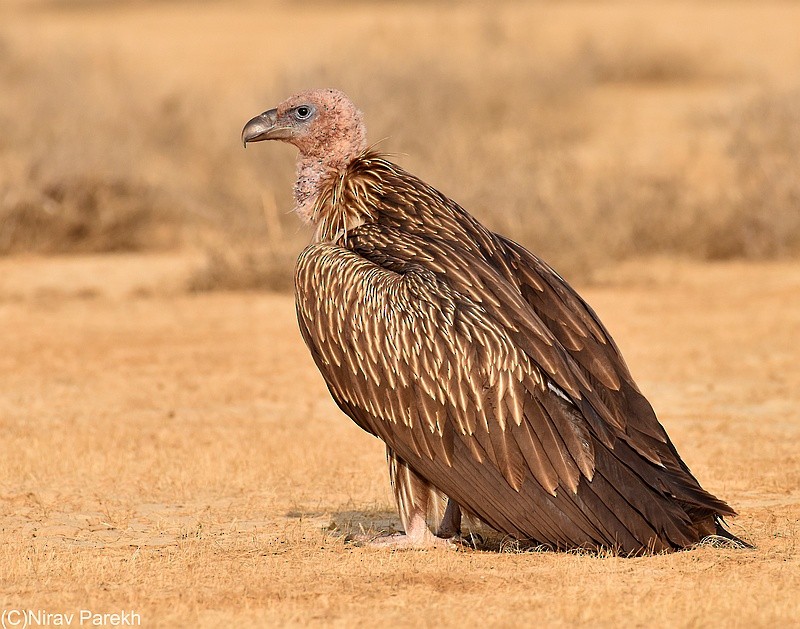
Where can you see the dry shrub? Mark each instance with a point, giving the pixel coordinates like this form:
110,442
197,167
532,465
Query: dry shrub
84,215
762,218
752,213
96,158
631,60
505,148
73,180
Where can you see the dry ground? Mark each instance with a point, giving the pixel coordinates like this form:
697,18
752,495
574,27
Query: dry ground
180,456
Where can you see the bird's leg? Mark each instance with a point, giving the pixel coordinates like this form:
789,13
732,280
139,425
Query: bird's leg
417,536
450,526
413,493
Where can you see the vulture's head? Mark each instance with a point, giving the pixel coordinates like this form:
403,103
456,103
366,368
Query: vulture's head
323,124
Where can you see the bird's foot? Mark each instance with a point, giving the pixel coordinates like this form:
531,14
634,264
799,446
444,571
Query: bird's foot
450,528
403,541
419,537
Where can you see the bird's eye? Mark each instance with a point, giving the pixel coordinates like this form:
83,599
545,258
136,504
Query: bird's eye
303,112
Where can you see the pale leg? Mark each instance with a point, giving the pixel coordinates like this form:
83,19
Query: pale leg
413,494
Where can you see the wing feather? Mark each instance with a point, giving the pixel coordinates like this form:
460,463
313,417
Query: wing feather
484,371
496,392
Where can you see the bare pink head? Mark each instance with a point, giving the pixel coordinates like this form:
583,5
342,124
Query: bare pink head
327,128
323,124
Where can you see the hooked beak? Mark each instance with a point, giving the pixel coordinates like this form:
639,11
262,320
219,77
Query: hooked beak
263,127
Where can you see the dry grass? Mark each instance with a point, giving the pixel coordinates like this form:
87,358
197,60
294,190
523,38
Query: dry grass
164,455
546,134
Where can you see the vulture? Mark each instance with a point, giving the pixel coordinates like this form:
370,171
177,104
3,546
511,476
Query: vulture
492,383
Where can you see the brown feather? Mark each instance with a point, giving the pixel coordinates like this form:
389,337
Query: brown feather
483,370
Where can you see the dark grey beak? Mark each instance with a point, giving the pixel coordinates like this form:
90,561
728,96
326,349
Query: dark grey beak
265,127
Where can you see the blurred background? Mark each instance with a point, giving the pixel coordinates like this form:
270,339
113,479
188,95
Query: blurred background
592,132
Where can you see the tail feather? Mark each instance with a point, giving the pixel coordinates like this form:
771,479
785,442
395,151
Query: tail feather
721,531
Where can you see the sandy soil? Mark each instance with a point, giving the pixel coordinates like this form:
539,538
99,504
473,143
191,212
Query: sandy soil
178,455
